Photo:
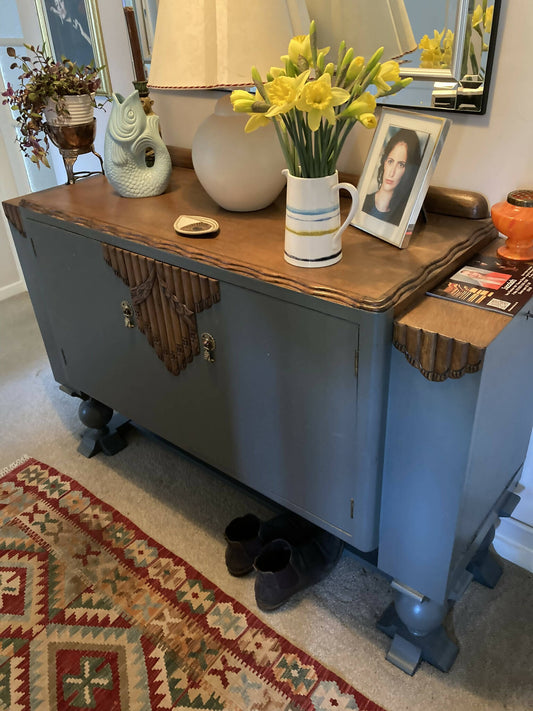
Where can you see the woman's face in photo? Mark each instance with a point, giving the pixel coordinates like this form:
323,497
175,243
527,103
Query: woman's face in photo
394,167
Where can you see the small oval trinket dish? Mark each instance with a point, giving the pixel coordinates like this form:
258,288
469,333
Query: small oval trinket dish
195,226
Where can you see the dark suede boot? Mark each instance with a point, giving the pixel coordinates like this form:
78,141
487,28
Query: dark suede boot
284,569
243,544
247,535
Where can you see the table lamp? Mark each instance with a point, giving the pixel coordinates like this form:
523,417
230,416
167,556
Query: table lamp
213,45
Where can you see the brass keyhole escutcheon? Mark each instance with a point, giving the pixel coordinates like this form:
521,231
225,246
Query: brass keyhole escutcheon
208,345
129,316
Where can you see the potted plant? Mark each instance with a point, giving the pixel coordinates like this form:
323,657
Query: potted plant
50,92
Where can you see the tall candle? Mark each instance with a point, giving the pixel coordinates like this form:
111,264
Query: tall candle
138,62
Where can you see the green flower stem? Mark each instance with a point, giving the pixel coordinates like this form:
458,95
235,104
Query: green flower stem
313,43
340,55
342,138
295,131
289,158
473,60
370,77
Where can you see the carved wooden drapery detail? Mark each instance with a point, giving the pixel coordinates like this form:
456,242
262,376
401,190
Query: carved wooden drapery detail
166,300
436,356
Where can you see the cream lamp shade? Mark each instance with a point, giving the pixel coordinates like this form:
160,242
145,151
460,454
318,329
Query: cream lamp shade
202,44
208,44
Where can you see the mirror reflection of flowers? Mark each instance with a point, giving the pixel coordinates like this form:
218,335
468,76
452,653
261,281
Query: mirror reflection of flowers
437,51
476,39
314,105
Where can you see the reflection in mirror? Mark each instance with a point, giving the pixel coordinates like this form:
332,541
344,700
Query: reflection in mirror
455,45
453,61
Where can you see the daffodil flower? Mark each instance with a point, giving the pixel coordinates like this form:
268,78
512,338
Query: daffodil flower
256,121
276,72
489,13
368,120
242,101
299,53
318,99
365,104
477,17
300,48
283,93
388,72
354,69
431,44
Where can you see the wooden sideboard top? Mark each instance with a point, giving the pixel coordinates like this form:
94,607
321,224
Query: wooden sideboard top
372,275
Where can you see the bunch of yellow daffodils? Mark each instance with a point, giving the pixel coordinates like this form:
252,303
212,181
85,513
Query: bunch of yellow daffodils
314,104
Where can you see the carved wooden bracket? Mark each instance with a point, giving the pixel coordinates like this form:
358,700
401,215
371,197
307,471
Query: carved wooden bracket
166,300
12,213
436,356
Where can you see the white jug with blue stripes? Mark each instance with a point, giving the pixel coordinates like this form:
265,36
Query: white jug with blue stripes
313,230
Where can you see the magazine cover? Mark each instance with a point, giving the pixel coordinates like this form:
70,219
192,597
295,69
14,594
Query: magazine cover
489,283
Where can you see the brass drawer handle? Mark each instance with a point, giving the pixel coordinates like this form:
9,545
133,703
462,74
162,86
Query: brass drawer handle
127,311
208,345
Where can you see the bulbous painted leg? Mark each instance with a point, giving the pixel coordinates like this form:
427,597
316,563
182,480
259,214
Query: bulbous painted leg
415,625
420,617
99,437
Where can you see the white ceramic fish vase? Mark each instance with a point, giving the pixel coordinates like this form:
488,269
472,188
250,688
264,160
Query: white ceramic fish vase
130,132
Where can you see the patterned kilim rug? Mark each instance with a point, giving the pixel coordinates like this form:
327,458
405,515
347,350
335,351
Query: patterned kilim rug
94,614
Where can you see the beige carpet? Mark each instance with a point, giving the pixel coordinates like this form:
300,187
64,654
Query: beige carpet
186,506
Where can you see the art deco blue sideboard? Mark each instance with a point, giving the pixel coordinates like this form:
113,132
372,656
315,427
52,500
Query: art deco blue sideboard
396,421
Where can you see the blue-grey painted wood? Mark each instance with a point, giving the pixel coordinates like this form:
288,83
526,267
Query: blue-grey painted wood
428,436
452,451
279,409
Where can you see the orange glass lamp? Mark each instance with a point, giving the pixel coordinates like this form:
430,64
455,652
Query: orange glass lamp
514,219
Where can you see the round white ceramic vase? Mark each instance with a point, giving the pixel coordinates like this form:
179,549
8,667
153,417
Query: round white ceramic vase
240,171
313,230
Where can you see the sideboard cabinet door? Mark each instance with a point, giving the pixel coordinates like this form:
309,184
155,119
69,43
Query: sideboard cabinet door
275,408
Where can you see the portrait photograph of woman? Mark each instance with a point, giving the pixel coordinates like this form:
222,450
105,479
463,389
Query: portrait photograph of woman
396,174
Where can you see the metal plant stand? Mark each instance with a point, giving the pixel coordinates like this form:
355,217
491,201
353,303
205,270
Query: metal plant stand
73,141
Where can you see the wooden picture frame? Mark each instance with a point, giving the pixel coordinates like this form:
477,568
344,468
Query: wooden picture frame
395,178
71,28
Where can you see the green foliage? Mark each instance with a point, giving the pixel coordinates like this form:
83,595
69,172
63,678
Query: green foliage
42,79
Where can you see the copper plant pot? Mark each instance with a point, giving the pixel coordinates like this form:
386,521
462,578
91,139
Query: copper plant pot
72,142
80,137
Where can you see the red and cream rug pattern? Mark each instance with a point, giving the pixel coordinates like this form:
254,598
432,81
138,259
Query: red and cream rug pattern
94,614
